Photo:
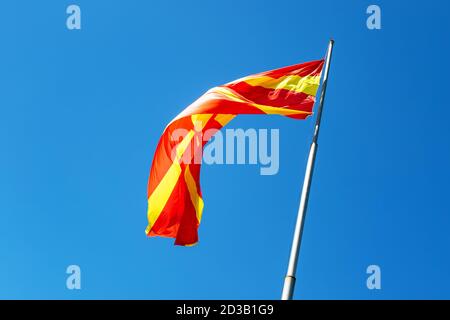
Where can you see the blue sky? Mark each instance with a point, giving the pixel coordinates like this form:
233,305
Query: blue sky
82,111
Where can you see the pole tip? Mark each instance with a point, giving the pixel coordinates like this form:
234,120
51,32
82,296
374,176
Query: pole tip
332,40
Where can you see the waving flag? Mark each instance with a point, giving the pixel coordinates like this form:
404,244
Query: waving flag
175,202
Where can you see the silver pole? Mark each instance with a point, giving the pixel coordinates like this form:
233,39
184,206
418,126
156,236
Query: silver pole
289,281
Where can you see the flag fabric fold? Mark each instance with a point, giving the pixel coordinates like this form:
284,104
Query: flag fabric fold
175,202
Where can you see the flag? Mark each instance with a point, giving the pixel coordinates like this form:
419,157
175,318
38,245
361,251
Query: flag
175,202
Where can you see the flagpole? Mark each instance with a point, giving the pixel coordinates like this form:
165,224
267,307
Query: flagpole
289,281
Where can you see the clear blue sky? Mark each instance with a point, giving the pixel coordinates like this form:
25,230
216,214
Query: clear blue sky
82,111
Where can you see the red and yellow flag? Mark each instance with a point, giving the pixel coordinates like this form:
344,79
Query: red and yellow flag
175,202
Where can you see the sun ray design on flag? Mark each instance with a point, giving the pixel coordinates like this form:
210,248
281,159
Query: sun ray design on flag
175,202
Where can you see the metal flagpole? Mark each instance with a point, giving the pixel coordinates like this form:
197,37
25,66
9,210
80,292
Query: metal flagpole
289,281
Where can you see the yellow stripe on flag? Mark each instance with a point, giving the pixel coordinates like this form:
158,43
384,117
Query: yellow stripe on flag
278,110
183,145
162,192
307,85
229,94
197,201
200,120
223,119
